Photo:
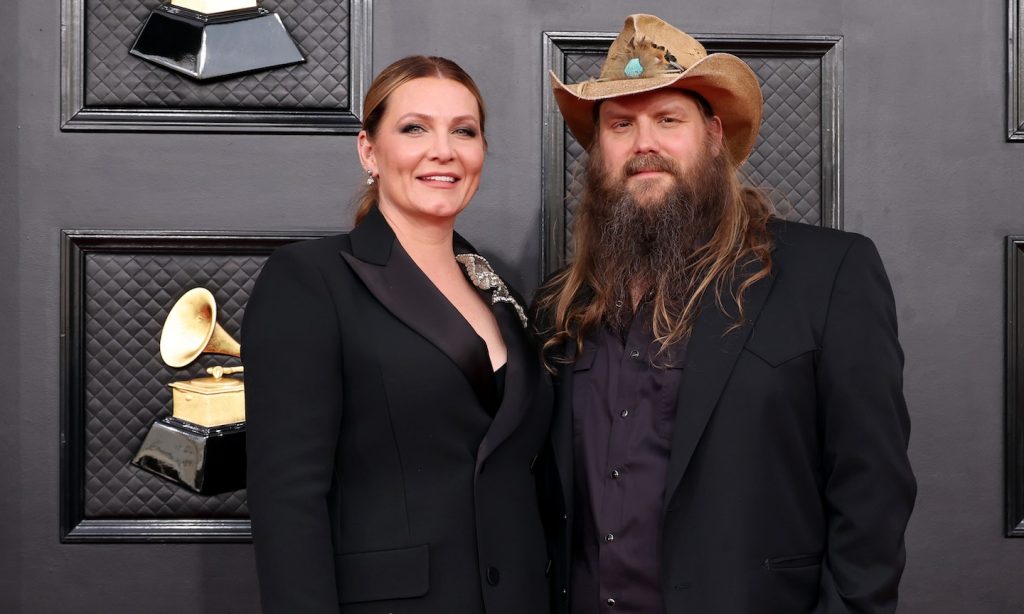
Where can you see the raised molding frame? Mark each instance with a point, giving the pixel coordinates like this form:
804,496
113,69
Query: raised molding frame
1015,74
75,115
75,245
1014,471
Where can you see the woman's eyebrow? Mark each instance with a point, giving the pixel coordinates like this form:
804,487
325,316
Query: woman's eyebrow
425,117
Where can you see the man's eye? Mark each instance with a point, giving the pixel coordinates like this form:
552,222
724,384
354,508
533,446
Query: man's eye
620,124
413,129
669,120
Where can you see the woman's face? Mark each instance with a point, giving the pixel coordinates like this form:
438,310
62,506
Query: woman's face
428,151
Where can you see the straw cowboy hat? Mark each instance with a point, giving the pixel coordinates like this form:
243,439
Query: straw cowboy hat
650,54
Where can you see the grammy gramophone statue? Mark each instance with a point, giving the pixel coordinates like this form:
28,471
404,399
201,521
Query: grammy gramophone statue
207,39
202,444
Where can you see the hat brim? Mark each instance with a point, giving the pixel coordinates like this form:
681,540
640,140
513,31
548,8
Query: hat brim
724,80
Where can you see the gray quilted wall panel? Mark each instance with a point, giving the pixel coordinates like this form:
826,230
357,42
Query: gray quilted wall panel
116,79
787,157
127,297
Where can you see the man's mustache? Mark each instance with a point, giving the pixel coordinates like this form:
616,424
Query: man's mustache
651,162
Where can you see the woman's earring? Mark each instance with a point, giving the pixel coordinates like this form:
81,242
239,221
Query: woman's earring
369,179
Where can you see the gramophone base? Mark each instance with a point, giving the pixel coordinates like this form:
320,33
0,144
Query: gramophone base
206,460
212,46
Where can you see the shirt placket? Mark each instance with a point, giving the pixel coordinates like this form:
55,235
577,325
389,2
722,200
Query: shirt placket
623,415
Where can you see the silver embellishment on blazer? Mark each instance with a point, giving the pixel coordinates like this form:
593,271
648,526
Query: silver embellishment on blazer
484,277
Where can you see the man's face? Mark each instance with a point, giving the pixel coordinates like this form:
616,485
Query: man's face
647,139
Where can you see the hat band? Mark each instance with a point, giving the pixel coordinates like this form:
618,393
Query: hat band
635,70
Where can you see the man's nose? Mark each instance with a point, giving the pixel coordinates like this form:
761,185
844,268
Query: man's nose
645,140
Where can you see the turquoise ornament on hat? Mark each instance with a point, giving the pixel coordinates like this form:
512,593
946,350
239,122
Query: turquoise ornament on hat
633,69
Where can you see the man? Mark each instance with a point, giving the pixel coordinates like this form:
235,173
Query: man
731,432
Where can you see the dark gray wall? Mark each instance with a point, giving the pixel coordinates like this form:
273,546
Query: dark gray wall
927,175
10,458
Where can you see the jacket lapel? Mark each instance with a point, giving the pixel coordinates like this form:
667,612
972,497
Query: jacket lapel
521,370
394,279
521,377
711,356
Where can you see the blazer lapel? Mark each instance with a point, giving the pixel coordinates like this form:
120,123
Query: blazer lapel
521,370
394,279
521,378
711,356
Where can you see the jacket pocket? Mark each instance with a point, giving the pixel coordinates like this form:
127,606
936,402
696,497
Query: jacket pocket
793,561
383,574
777,353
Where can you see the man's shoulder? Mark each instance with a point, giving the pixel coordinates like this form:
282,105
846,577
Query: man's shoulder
809,258
798,242
808,236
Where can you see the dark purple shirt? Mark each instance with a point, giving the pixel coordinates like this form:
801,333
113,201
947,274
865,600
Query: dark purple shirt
624,406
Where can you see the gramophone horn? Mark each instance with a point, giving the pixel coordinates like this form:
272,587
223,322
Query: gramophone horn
191,329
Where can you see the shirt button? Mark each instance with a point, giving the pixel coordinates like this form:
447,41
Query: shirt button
610,602
624,413
609,538
634,353
615,474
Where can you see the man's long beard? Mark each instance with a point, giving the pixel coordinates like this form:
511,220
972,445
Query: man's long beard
646,244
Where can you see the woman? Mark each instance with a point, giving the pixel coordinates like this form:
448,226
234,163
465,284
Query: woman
394,407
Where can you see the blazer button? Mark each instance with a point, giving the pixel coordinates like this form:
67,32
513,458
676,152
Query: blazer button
493,576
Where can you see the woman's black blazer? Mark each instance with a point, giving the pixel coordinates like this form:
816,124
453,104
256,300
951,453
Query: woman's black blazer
377,479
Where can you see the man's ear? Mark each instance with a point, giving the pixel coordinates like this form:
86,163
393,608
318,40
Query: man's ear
715,128
365,148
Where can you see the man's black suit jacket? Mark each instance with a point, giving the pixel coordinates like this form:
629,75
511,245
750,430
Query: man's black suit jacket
377,481
789,487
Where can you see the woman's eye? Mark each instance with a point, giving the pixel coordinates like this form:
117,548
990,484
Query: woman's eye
413,129
466,132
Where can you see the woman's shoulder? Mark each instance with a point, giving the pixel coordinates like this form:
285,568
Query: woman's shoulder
311,249
304,261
